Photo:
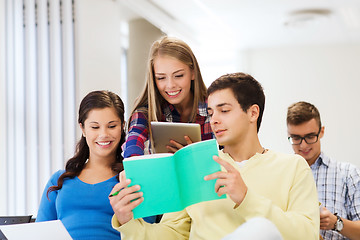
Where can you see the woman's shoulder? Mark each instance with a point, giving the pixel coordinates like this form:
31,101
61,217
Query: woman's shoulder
141,109
55,176
140,112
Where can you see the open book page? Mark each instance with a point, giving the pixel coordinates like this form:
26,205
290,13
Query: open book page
155,174
171,182
193,163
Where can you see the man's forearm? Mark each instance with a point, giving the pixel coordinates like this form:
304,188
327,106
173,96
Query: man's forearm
351,229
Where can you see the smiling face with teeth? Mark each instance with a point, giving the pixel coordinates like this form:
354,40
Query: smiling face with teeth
173,80
102,130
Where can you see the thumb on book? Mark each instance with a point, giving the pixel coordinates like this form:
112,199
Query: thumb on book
122,176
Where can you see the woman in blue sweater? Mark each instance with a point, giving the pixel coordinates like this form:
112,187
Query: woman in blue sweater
78,195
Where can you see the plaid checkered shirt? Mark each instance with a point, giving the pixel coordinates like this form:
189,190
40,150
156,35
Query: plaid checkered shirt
138,133
338,185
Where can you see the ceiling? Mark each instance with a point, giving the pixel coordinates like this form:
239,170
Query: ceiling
246,24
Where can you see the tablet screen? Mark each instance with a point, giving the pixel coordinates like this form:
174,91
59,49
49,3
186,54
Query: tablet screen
163,132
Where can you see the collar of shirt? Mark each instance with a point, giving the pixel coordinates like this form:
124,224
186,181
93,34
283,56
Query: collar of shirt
322,160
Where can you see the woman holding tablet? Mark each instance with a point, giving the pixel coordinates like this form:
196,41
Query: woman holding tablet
174,92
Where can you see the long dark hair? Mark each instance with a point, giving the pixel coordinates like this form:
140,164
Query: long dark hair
93,100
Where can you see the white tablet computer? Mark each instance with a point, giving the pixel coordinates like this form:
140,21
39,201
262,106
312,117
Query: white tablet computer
163,132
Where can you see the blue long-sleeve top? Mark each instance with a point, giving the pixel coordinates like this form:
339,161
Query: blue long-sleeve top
83,208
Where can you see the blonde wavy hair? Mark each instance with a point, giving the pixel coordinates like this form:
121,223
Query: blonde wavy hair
150,100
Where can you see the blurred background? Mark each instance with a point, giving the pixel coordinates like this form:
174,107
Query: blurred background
53,52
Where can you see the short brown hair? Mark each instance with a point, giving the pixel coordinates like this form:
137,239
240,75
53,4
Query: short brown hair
246,89
301,112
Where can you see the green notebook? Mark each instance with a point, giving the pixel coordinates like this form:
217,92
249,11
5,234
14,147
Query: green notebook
171,182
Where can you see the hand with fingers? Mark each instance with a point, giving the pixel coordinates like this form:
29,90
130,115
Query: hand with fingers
327,219
229,182
124,199
176,145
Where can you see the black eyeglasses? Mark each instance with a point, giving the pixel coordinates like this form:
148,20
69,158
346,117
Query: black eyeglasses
309,139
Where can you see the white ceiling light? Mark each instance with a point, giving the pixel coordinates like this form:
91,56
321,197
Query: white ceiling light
304,17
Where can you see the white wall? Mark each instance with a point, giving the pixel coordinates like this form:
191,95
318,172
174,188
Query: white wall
327,76
2,107
141,36
97,46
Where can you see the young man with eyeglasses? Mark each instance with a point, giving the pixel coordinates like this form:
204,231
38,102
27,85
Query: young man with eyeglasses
338,183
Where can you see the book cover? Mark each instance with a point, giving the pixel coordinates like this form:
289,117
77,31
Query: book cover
171,182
